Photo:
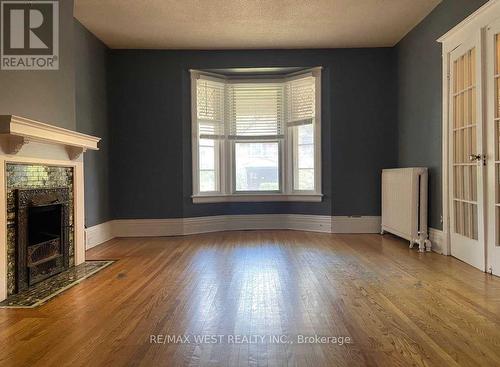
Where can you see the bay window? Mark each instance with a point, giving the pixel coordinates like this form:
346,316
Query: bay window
256,139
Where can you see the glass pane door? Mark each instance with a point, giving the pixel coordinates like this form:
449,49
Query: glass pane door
465,159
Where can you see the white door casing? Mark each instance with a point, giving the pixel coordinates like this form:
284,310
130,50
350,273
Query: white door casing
492,62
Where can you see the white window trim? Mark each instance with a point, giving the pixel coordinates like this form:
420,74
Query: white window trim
238,198
226,185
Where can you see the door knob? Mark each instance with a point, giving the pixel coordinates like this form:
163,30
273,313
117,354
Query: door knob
478,158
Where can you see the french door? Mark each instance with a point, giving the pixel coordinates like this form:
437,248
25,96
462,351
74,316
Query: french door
493,133
466,154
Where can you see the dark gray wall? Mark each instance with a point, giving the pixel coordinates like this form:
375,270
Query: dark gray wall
150,127
92,118
381,108
46,96
420,95
73,97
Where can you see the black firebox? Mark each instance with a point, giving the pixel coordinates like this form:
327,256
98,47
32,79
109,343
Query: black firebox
42,235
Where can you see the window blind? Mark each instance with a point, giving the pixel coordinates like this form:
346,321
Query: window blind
210,108
301,101
255,110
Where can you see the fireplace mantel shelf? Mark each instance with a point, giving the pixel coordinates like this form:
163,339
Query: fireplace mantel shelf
19,131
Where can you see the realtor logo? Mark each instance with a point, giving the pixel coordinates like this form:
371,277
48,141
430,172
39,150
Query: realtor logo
29,35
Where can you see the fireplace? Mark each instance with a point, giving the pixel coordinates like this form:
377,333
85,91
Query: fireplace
41,176
42,248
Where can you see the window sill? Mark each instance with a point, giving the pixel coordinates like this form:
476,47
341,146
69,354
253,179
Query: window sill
239,198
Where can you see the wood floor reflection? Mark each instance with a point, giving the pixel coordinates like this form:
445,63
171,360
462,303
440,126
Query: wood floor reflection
398,307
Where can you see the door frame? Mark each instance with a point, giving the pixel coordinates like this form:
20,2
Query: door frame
475,24
493,251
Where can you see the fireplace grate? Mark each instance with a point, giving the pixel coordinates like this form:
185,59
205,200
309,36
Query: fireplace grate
45,270
43,252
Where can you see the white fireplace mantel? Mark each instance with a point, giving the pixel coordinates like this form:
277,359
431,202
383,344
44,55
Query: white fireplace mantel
26,141
19,131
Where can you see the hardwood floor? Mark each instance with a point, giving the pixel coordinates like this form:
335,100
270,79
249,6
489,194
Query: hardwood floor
398,307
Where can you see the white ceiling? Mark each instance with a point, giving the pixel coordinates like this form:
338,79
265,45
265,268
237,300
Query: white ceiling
247,24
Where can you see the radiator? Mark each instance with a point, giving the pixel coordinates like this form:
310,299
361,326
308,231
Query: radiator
404,205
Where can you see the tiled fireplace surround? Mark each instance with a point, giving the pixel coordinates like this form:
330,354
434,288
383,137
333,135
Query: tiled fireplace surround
38,155
33,176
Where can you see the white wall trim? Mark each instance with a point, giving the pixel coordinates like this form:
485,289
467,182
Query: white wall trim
481,17
437,238
98,234
352,224
185,226
257,198
148,227
315,223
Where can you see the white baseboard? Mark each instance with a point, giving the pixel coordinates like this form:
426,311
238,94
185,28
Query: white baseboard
314,223
98,234
362,224
216,223
185,226
436,236
147,227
